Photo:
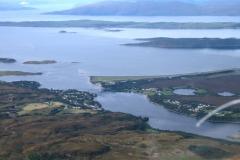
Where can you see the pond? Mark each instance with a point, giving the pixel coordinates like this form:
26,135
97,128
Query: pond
226,94
185,92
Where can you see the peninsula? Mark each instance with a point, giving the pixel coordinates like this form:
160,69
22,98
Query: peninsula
18,73
188,43
7,60
194,95
41,62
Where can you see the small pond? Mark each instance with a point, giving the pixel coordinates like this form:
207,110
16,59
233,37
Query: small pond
185,92
226,94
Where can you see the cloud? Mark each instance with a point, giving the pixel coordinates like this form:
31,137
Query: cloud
55,4
24,2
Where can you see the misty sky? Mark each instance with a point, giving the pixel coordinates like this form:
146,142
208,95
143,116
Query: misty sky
49,3
54,4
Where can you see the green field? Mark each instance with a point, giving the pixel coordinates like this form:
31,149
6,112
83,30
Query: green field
96,79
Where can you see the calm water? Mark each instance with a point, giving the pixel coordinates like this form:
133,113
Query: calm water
161,118
185,92
226,94
101,53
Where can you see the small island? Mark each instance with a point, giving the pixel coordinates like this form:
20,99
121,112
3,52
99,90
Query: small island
63,32
18,73
188,43
7,60
113,30
41,62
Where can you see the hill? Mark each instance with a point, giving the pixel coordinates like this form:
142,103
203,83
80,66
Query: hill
11,6
158,8
40,125
189,43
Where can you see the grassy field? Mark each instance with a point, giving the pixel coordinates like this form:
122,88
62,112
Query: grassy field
189,43
210,74
96,79
28,108
36,106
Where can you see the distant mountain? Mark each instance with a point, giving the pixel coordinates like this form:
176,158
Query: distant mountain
158,8
12,6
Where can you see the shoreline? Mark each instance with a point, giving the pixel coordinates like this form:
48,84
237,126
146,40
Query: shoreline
18,73
134,84
94,79
36,86
41,62
173,111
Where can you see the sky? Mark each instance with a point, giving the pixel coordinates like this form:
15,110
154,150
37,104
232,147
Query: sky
47,4
61,4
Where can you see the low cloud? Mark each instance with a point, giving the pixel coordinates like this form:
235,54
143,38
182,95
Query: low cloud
24,2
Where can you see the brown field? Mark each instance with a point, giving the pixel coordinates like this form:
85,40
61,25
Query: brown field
102,136
37,106
99,136
228,83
